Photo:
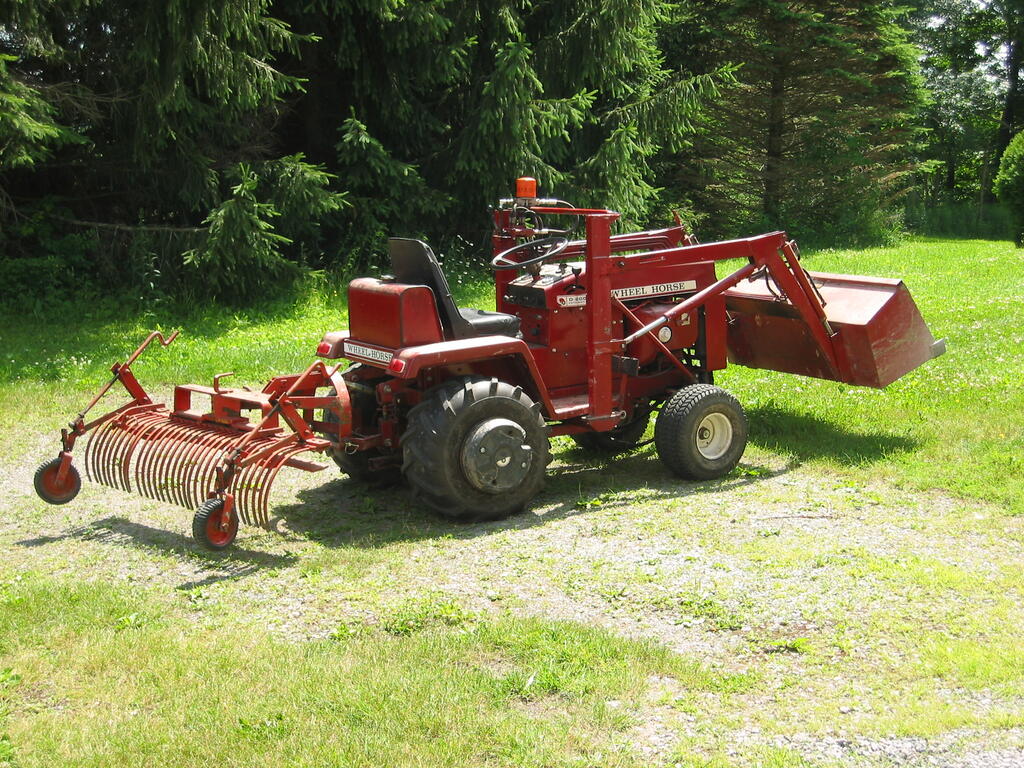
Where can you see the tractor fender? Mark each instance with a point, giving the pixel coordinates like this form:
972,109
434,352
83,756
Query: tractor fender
409,362
332,345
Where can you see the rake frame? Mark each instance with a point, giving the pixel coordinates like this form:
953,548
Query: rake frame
189,455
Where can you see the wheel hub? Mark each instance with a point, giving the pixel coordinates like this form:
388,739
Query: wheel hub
714,435
495,456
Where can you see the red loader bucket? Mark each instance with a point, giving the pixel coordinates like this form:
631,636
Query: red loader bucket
878,332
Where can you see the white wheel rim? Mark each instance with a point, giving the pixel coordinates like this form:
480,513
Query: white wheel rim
714,436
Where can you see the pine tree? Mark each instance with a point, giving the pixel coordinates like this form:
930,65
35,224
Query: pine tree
435,107
812,135
166,100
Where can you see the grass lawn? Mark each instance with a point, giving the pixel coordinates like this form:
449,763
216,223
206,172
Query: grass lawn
850,596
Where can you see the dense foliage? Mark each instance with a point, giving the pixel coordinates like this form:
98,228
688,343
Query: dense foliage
193,149
814,134
1009,184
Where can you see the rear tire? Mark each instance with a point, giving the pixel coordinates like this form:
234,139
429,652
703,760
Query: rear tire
619,440
206,529
476,449
701,432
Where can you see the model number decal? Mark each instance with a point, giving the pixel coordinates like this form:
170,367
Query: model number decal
572,300
368,353
634,292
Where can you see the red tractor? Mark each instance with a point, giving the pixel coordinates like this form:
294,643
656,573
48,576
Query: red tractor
590,337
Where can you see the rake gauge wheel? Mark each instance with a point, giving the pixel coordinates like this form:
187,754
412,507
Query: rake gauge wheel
50,489
701,432
476,449
206,526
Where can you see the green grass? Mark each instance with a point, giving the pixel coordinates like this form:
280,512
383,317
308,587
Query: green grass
831,591
94,675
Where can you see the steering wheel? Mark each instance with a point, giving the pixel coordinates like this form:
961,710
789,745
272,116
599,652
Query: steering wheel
552,247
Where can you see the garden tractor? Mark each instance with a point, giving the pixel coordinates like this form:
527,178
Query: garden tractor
594,332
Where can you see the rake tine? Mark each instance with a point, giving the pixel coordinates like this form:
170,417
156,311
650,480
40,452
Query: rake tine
106,448
244,491
101,456
206,469
145,425
145,468
90,452
168,464
187,466
130,442
175,464
270,477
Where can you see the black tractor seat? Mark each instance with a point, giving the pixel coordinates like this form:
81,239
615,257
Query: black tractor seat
413,263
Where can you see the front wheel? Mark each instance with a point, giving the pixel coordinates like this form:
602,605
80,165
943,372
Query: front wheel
476,449
701,432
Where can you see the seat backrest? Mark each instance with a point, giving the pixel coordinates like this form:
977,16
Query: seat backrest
413,263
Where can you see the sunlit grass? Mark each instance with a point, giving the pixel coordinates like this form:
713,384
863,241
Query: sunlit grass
93,675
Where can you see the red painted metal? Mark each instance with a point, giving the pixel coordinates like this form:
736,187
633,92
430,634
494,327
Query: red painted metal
187,455
880,334
619,323
393,315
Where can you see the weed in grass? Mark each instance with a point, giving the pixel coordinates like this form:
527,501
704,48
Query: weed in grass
789,645
418,614
697,607
8,755
978,663
273,727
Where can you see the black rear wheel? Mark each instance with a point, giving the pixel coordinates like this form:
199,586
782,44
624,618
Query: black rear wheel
476,449
701,432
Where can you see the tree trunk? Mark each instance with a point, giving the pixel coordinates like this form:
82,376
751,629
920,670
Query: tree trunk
773,159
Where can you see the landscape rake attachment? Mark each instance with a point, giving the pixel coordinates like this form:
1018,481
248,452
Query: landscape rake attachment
218,462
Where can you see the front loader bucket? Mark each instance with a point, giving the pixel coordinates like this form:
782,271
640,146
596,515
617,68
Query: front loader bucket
877,332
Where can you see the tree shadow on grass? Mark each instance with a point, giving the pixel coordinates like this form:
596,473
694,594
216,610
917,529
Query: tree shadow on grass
234,563
805,437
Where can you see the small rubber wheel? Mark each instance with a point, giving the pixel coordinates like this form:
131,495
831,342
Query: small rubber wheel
701,432
52,491
206,526
619,440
